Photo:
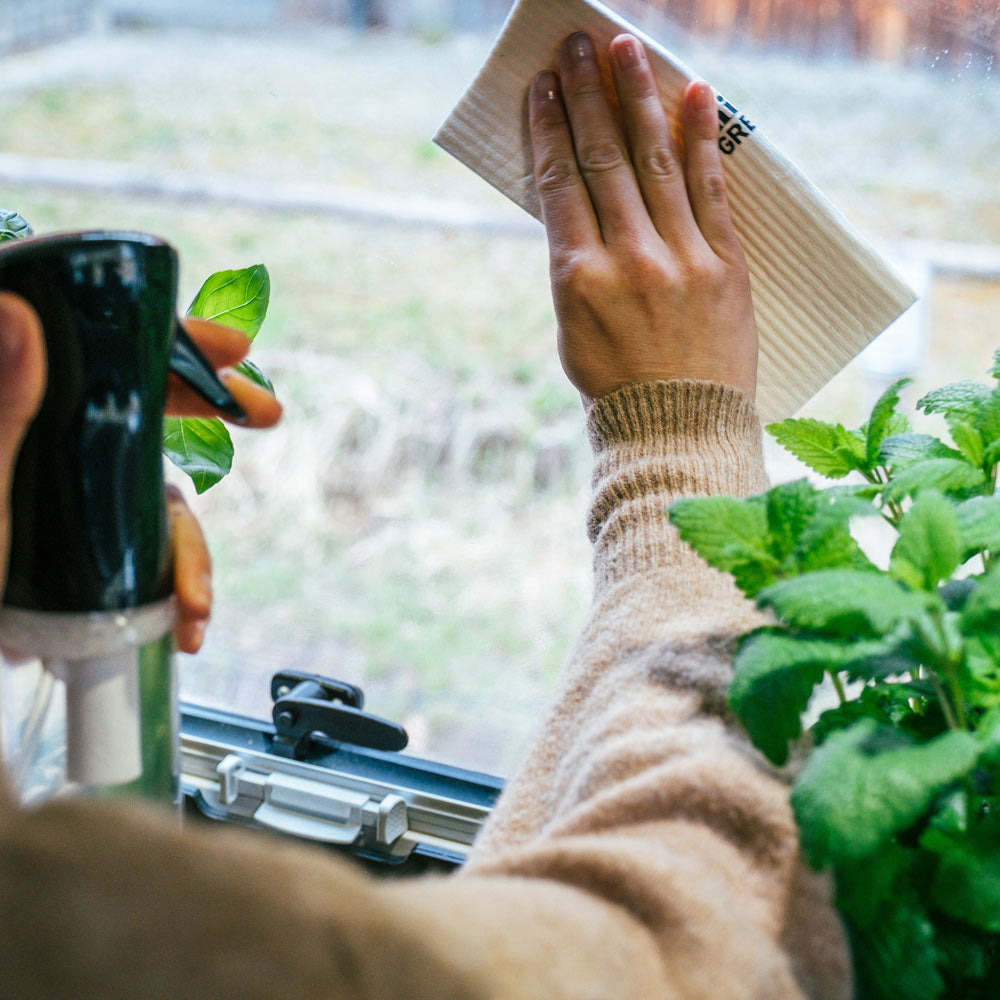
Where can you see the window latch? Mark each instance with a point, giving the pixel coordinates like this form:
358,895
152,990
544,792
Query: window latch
309,706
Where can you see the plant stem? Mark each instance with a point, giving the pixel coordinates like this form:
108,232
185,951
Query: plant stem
943,700
838,686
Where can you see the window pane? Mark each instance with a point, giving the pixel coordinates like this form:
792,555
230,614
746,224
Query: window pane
416,525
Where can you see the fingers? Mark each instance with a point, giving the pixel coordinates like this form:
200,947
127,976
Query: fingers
192,574
599,144
261,408
566,207
597,184
706,181
22,383
656,160
223,347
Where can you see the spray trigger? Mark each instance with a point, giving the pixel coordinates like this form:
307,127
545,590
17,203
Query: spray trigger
191,366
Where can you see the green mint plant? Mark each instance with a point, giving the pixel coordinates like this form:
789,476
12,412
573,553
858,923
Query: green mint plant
899,793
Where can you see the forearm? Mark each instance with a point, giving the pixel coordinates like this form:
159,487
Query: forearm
641,788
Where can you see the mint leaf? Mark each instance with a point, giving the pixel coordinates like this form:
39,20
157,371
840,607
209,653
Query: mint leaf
238,299
979,524
729,534
826,541
895,957
892,937
200,447
13,226
904,449
868,782
969,441
929,547
966,884
847,602
980,674
884,422
959,400
774,677
982,607
790,507
828,449
972,411
947,475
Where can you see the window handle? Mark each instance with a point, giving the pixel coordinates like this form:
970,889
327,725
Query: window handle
309,706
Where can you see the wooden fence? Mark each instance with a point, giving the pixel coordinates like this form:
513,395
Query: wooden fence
956,32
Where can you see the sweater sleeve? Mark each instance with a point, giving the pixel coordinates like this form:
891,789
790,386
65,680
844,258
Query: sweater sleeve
641,789
643,850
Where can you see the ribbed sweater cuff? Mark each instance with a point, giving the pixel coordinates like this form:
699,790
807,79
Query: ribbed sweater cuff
654,442
694,415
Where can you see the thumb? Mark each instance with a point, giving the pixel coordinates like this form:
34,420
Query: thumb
22,382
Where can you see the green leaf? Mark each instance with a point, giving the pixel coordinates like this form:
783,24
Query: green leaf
884,422
980,675
869,782
201,448
826,541
828,449
901,450
981,610
959,400
969,442
947,475
774,677
729,534
995,370
249,370
972,411
929,547
790,507
13,226
237,299
966,883
892,938
979,524
895,958
851,603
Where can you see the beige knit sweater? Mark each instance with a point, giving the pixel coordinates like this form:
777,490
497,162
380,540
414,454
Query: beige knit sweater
642,851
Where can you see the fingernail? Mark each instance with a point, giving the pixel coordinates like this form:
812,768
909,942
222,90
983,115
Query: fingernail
197,635
546,86
628,55
581,48
702,97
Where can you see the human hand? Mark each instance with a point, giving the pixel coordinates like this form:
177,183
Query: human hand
222,347
22,383
648,277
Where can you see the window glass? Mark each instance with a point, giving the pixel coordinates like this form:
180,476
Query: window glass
416,524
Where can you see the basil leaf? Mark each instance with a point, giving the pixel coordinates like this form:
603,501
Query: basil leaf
238,299
200,447
249,370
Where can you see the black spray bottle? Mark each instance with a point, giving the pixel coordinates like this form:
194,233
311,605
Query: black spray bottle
90,577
